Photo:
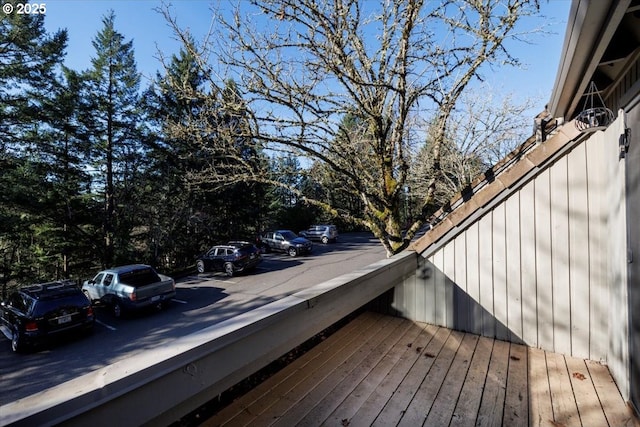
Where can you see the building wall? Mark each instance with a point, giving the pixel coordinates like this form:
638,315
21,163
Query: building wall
544,266
633,236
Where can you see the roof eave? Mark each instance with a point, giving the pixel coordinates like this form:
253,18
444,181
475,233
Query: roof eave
590,27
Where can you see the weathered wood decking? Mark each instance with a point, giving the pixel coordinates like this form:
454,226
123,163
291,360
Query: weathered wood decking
386,371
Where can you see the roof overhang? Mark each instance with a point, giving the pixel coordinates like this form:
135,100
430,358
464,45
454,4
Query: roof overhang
602,38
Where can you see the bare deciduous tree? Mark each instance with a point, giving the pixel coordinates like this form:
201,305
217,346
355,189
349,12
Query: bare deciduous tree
481,131
304,65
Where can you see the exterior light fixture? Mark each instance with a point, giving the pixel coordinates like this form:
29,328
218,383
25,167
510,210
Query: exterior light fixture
623,142
594,115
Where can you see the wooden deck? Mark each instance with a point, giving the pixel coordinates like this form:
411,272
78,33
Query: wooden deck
386,371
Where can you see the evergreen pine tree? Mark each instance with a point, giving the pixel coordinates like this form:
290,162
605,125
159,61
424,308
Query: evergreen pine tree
111,122
29,60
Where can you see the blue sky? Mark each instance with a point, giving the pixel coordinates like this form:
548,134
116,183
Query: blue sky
135,20
138,21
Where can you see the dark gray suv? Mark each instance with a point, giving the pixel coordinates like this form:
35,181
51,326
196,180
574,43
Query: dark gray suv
285,241
324,233
234,257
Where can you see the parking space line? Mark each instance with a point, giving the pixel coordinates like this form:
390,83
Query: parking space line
106,326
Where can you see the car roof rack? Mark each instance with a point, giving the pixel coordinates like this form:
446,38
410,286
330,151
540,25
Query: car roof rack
238,242
49,286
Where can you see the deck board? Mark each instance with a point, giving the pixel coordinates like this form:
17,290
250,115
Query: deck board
615,409
387,371
422,402
445,402
539,392
516,405
247,408
466,411
563,401
493,396
589,407
412,351
366,388
298,399
335,388
395,407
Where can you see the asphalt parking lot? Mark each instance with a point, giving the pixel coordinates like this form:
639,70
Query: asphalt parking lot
201,300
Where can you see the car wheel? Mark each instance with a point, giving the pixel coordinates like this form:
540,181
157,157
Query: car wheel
17,343
116,309
228,269
325,239
292,251
200,266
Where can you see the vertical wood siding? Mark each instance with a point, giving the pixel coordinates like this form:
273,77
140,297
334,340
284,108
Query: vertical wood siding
534,268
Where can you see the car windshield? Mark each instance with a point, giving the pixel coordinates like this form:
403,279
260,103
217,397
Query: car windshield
288,235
